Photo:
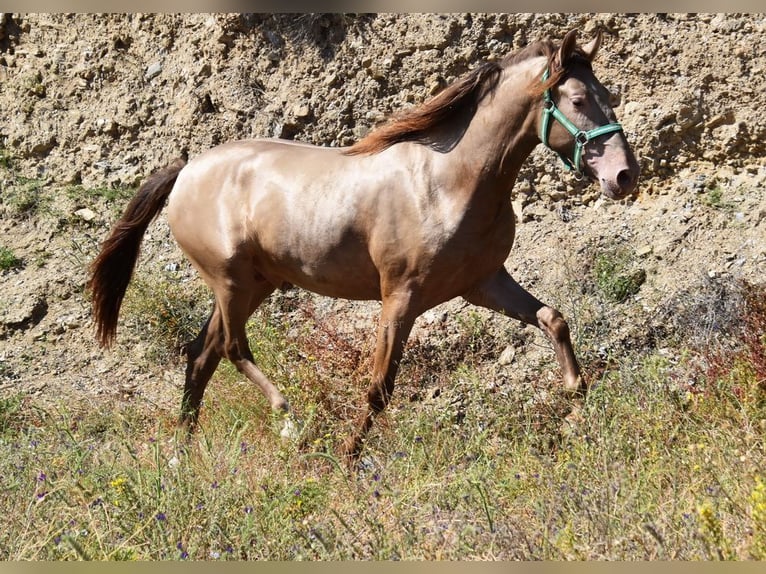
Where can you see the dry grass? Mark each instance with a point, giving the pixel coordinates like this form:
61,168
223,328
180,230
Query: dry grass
658,469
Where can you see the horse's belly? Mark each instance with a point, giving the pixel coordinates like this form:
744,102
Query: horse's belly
347,273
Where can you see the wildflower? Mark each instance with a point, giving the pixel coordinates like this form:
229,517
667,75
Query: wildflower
161,517
41,477
215,555
248,509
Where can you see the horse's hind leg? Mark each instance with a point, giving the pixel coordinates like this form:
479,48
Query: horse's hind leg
237,304
203,355
501,293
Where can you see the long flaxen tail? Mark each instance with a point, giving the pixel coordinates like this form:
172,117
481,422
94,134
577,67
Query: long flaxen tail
112,270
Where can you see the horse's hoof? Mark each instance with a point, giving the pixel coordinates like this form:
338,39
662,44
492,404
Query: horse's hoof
291,429
573,423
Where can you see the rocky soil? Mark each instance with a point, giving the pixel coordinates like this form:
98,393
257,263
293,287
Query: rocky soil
97,102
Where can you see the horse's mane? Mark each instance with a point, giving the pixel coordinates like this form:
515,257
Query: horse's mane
453,102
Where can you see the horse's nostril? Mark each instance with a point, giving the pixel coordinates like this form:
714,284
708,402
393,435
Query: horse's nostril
625,179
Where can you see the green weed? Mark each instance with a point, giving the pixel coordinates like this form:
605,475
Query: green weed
615,274
6,158
81,194
8,260
26,197
166,312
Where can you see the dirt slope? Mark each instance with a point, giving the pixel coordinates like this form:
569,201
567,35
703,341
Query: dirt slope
91,102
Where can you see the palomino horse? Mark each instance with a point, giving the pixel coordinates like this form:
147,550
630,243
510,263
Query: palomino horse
416,213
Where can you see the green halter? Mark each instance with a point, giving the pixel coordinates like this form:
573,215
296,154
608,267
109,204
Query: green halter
581,138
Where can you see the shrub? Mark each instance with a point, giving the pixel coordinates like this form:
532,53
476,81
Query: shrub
615,274
8,260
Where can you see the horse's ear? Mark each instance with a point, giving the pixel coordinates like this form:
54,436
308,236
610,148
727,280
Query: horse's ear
591,48
566,49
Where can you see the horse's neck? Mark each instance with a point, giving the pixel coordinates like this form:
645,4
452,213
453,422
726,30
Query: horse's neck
502,132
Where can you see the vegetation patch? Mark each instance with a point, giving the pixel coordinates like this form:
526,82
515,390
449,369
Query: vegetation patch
9,260
656,469
616,275
166,312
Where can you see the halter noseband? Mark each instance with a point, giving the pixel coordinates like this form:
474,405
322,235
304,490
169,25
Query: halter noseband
580,137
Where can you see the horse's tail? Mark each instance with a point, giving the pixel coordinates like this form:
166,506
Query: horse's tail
112,270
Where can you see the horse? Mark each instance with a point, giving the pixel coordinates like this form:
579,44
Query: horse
414,214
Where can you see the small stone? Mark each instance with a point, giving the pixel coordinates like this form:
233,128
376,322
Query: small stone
644,250
302,111
507,356
85,214
153,70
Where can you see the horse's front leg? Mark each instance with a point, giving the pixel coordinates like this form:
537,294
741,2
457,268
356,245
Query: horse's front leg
501,293
396,320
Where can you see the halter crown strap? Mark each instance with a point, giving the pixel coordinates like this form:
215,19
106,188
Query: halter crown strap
581,137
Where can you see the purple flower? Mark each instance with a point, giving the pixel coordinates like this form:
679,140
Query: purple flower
161,517
248,509
41,477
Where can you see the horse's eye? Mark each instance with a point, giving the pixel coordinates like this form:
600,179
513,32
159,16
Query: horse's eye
578,101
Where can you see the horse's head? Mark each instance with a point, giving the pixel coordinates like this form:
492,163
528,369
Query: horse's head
579,124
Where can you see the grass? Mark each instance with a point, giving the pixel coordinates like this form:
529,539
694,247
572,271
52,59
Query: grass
89,195
667,463
26,197
616,274
166,312
9,260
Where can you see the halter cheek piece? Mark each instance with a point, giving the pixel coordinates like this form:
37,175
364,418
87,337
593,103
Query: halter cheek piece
580,137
